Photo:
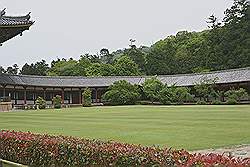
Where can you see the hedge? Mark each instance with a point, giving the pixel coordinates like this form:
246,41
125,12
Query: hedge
45,150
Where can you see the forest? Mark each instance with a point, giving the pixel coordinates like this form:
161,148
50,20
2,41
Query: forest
225,44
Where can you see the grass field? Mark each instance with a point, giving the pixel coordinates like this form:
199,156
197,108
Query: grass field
188,127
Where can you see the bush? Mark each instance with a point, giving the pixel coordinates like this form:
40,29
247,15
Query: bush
166,95
40,103
236,95
57,101
181,95
217,102
122,93
231,102
86,97
201,102
152,88
45,150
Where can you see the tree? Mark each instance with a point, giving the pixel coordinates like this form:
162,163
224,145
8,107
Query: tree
39,68
205,89
236,95
12,70
137,56
106,57
166,95
40,103
181,95
124,66
65,68
121,93
152,88
57,101
86,97
99,69
2,70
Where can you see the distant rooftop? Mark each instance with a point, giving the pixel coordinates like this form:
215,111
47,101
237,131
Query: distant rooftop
11,26
222,77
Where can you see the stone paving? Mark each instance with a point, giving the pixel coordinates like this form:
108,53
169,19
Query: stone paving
241,151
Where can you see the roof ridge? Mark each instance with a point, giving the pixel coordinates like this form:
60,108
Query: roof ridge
209,72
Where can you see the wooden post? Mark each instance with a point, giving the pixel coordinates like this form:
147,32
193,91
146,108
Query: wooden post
80,96
44,94
4,91
15,95
34,95
25,96
62,95
96,95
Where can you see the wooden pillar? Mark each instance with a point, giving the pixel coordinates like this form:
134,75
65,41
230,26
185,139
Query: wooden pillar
80,96
25,96
96,95
44,94
4,91
70,97
15,95
62,95
34,95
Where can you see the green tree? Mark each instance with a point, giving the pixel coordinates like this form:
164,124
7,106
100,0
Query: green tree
205,89
166,95
121,93
12,70
124,66
86,97
236,94
39,68
40,103
57,101
181,95
152,88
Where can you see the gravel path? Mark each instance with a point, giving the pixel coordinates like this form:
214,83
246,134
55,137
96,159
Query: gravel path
241,151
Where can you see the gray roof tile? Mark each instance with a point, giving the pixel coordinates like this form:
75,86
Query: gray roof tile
225,76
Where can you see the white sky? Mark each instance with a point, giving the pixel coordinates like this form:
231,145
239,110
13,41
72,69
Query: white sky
67,29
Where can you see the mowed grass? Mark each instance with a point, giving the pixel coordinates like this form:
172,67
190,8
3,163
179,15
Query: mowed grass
188,127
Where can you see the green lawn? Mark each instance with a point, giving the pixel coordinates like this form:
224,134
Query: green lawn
188,127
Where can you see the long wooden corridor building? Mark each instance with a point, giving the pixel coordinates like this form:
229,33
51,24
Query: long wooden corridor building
24,89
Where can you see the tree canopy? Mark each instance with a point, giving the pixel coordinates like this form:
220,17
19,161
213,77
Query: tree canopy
224,45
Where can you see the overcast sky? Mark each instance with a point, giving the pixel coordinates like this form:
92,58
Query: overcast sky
67,29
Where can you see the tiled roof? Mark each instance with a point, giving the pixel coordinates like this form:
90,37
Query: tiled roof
225,76
14,21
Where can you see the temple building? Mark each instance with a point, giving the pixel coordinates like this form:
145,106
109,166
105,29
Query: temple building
24,89
11,26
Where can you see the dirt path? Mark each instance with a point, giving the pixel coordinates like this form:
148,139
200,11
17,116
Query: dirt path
242,151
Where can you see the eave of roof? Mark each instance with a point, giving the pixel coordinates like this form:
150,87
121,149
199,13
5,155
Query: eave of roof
14,21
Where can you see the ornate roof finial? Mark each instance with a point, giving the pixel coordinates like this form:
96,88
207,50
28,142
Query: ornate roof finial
2,13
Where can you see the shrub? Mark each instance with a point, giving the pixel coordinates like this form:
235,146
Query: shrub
166,95
121,93
152,88
86,97
45,150
231,102
57,101
236,95
40,103
181,95
216,102
201,102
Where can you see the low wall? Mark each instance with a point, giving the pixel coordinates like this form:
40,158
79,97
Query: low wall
5,106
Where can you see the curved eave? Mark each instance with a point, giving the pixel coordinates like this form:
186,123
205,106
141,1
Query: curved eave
16,26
